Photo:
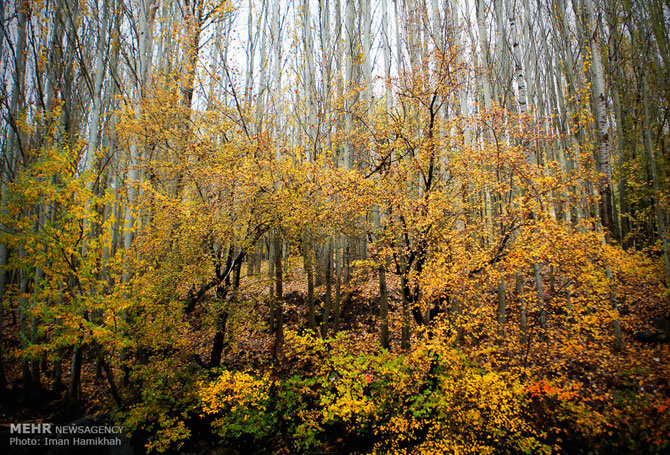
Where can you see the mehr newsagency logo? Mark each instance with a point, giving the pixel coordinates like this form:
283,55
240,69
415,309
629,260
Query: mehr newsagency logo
48,434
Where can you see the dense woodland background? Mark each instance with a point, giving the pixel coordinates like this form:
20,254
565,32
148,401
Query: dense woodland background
410,226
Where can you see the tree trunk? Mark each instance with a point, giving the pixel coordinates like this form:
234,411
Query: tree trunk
309,268
75,376
279,317
523,321
100,59
660,217
219,339
501,306
329,282
383,308
351,56
540,295
600,115
404,340
23,330
145,43
338,283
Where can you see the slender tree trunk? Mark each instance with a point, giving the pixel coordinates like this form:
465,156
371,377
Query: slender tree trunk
100,59
540,295
350,44
262,94
75,376
383,308
36,384
660,217
329,284
112,384
600,114
279,318
309,268
501,306
23,330
404,340
623,184
523,319
338,282
271,280
145,43
484,44
219,338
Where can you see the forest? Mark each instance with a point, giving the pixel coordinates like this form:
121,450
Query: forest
337,226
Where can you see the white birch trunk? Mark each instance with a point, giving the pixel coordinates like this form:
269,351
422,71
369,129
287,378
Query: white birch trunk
386,43
350,45
263,60
277,72
600,115
100,59
146,17
308,89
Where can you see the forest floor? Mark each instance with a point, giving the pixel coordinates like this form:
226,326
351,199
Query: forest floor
596,374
